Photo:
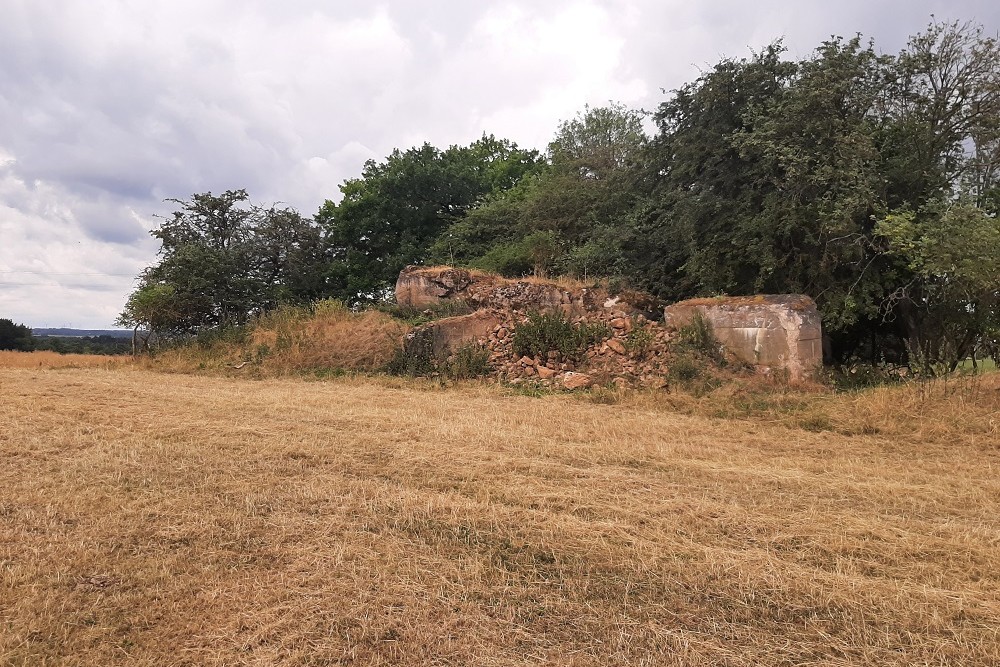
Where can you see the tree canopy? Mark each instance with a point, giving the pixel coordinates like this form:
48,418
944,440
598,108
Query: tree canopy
15,336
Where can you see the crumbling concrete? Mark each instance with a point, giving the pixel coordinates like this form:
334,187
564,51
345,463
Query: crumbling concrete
766,331
451,333
775,331
424,287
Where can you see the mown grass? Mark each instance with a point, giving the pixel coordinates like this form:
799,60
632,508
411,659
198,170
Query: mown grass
176,519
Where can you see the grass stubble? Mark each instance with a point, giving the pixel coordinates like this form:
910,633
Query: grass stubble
150,518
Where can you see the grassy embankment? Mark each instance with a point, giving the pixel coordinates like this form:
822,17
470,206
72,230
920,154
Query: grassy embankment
176,519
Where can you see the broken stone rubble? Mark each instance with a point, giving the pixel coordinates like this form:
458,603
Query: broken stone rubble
768,331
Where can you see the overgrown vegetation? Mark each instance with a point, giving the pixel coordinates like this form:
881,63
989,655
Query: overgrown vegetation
867,181
417,316
324,337
542,333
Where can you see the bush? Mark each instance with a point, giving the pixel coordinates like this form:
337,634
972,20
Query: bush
638,341
467,362
543,333
697,336
415,357
208,338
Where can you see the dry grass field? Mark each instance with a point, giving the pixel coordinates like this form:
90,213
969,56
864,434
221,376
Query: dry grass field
47,359
155,519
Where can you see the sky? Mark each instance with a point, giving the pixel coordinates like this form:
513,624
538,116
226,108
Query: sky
108,108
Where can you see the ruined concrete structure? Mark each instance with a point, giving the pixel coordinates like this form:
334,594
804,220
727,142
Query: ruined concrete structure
424,287
768,330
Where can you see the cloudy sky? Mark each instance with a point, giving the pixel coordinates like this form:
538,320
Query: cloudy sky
108,107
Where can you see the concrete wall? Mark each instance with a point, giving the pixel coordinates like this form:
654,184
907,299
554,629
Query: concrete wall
782,331
423,287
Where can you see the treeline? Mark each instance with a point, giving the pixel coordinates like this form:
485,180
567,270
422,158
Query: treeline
19,337
870,182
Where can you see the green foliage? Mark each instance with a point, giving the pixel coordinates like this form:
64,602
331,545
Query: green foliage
415,357
224,260
866,181
534,254
698,337
638,341
83,345
394,213
15,336
416,316
684,368
575,201
231,336
692,372
861,376
546,332
469,361
952,306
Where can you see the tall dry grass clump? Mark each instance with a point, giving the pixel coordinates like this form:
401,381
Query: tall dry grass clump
327,337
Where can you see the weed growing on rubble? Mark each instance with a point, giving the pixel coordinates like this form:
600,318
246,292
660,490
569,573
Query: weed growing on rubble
698,337
467,362
545,332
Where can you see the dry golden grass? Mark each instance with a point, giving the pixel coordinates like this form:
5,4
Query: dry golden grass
47,359
170,519
291,341
565,281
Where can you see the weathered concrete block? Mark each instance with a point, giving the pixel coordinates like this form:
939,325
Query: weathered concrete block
420,287
769,330
451,333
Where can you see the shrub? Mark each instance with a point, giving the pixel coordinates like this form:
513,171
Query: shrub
467,362
697,336
543,333
222,336
638,341
684,368
415,357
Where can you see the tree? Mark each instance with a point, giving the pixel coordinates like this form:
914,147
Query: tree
15,336
392,215
693,234
942,116
151,311
951,305
538,225
224,260
772,176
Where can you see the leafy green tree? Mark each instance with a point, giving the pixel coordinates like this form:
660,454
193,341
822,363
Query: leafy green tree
771,176
392,215
942,116
692,234
15,336
223,260
582,191
951,305
152,311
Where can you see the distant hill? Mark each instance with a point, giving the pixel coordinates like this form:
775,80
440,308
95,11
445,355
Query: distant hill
80,333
